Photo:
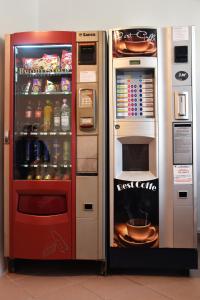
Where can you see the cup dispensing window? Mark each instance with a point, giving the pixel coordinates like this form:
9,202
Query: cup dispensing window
134,93
135,157
87,53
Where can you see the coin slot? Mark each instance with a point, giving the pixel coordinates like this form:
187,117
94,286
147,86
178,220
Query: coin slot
182,194
88,206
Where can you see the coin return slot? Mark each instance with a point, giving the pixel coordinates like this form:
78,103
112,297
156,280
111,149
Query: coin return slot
88,206
182,194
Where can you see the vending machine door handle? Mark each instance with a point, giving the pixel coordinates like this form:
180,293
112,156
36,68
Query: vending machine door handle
7,137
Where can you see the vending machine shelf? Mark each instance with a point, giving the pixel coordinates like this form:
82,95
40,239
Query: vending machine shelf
43,133
44,93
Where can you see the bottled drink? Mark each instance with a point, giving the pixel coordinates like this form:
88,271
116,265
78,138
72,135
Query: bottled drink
67,174
38,175
28,151
28,117
47,175
46,151
65,116
47,116
66,152
37,117
30,175
57,175
36,151
56,152
56,116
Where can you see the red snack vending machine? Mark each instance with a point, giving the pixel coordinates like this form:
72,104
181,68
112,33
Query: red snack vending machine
39,145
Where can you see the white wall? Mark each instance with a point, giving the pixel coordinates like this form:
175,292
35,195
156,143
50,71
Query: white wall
87,14
20,15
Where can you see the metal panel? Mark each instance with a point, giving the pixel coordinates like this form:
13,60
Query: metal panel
137,128
183,227
86,239
86,193
6,145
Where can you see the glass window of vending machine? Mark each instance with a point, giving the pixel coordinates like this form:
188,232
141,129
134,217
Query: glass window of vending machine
42,117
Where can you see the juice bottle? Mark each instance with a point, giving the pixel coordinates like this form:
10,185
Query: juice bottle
66,152
65,116
47,115
28,117
38,117
56,116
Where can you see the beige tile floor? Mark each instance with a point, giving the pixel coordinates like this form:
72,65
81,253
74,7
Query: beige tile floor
49,282
62,286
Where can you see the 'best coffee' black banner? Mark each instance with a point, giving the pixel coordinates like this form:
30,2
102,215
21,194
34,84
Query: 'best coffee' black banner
136,213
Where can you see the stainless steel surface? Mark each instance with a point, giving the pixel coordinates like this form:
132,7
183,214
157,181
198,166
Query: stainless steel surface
90,223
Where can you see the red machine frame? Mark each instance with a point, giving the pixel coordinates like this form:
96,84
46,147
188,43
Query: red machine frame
24,239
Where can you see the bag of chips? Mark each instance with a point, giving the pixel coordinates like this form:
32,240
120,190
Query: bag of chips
50,86
51,62
66,61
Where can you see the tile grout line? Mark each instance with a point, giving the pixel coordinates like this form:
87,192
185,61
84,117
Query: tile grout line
93,292
152,289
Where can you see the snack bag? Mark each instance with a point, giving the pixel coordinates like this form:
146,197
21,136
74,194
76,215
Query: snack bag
33,64
38,64
65,85
50,86
37,85
66,60
51,62
27,63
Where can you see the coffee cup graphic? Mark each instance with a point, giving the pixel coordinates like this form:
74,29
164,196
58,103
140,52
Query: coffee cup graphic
140,229
138,45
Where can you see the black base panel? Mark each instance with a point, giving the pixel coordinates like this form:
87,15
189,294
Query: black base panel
56,267
154,259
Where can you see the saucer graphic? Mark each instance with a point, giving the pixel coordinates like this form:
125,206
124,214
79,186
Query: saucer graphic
128,241
151,49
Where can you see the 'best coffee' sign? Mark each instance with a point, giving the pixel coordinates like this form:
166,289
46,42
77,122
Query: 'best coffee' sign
137,185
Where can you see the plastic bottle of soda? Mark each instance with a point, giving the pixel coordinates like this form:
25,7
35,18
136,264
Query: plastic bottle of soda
66,152
56,116
56,152
65,116
28,117
47,116
37,117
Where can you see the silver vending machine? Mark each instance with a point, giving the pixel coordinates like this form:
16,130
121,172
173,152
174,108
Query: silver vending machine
152,152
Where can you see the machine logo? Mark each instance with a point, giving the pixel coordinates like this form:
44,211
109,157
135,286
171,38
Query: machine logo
181,75
87,34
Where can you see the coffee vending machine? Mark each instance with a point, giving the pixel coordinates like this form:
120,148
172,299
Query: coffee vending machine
152,153
90,128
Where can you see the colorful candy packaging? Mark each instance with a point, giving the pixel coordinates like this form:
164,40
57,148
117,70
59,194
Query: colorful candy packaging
37,85
65,85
